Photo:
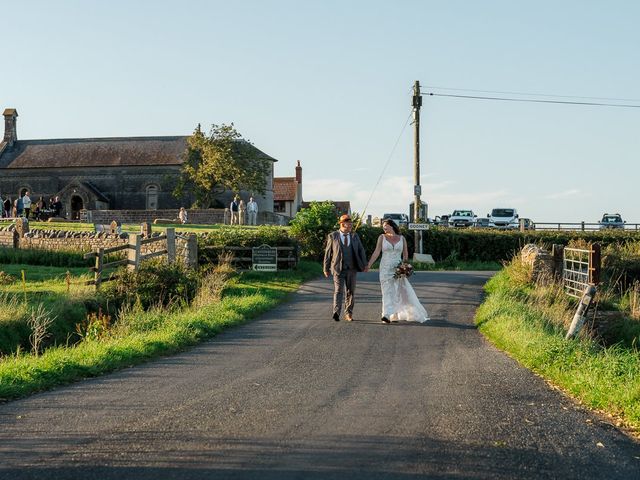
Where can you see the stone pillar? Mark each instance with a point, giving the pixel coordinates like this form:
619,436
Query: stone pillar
22,226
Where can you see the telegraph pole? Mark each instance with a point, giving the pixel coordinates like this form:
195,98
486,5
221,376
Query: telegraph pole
417,189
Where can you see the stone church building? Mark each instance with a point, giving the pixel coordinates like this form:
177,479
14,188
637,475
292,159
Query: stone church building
125,173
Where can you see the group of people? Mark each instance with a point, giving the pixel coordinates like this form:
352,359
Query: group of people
345,256
24,206
241,213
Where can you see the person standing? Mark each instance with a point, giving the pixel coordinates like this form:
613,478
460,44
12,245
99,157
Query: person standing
26,204
399,300
344,257
7,206
241,212
252,212
57,206
182,215
234,208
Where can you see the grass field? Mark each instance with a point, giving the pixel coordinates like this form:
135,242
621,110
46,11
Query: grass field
530,325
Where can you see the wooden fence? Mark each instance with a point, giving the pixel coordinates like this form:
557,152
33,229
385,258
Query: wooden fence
242,258
134,255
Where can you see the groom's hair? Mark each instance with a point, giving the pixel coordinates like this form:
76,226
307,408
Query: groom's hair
392,224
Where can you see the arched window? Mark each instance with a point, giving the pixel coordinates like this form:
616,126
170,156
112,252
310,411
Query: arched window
152,197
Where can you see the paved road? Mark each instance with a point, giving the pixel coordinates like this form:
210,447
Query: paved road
296,395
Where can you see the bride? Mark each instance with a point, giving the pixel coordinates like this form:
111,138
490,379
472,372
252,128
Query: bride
399,301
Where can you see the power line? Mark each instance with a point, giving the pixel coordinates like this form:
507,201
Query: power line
505,99
384,168
534,94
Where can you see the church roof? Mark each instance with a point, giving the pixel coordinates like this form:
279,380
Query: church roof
98,152
284,189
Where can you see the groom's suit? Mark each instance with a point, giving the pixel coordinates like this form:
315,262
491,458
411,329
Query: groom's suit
344,262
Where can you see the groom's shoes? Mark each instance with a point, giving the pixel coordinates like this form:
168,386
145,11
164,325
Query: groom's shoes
385,320
336,317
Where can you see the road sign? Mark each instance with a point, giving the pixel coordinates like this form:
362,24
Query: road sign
418,226
264,258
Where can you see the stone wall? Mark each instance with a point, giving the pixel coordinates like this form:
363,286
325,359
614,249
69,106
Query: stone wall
59,240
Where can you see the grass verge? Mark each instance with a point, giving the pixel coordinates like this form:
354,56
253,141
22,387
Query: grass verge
147,334
603,378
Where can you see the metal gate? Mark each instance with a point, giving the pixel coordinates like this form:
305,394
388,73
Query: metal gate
580,269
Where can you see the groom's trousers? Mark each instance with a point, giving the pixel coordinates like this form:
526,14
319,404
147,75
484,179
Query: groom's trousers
344,286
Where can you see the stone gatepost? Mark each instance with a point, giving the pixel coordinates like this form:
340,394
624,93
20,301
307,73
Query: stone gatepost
22,226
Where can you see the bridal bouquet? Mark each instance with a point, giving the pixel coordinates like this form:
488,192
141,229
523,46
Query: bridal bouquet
403,269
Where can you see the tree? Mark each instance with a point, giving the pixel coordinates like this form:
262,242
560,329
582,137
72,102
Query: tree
222,161
312,225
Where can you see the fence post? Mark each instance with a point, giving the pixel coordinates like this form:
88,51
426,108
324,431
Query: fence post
171,245
581,312
594,263
97,275
191,252
582,225
133,252
521,221
557,251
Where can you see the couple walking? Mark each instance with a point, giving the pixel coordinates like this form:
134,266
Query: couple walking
344,257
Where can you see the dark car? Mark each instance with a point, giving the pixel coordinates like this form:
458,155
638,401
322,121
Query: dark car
611,220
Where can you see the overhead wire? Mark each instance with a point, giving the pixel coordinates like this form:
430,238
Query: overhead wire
532,94
530,100
384,169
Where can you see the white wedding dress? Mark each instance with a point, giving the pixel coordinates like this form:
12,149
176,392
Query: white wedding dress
399,300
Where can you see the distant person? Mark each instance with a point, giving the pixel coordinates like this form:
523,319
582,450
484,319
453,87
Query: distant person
241,212
57,206
234,208
182,215
7,206
26,204
17,207
252,211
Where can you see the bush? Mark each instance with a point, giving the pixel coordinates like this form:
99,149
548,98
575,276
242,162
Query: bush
311,226
499,246
155,283
211,243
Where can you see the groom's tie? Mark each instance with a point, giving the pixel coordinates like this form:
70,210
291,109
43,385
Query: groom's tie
346,239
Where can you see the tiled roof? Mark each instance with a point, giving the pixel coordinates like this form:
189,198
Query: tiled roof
284,189
98,152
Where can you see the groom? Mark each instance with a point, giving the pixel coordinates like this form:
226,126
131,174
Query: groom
344,257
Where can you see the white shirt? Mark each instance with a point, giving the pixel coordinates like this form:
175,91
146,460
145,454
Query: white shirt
342,235
26,201
252,207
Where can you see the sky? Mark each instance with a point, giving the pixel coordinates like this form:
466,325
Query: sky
329,83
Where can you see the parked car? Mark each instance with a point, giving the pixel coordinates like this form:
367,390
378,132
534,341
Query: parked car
462,218
504,218
481,222
401,219
611,220
441,220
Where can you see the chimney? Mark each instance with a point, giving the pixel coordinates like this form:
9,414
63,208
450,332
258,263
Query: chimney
298,173
10,132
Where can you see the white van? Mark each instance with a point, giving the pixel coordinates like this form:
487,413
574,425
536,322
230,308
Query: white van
504,218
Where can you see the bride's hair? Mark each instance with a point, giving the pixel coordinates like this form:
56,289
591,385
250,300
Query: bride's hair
392,224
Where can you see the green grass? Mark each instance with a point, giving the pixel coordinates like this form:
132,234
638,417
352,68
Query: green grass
143,335
127,227
603,378
38,273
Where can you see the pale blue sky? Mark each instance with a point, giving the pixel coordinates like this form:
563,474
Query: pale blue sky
329,83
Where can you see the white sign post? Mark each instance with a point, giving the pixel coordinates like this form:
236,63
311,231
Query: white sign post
418,226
